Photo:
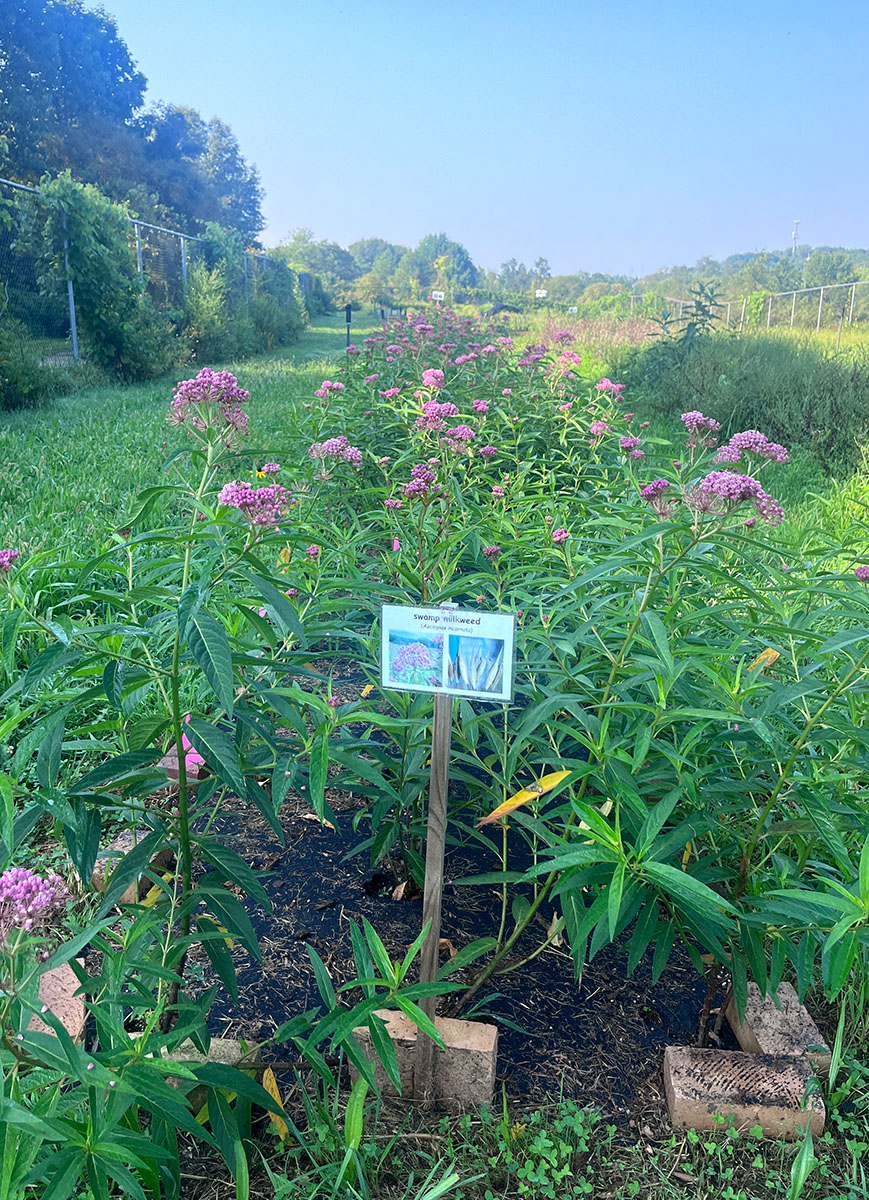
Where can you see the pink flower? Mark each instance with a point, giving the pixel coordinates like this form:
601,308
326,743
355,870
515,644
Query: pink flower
7,558
598,428
396,544
313,552
488,451
491,552
353,351
559,536
498,492
369,379
270,468
862,574
481,406
433,378
506,391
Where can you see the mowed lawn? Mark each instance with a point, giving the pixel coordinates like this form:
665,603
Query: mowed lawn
70,468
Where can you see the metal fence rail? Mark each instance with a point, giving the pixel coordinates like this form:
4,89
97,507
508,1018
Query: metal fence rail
163,259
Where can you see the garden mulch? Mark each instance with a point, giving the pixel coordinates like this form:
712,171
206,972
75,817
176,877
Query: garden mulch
600,1040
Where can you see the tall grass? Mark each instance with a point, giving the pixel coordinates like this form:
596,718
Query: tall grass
70,467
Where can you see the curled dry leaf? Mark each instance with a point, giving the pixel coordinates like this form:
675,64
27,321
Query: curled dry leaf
314,817
765,659
398,892
546,784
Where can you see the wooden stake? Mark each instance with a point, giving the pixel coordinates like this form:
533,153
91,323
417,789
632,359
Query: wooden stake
434,885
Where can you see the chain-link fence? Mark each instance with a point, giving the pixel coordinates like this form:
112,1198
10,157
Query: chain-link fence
46,319
31,311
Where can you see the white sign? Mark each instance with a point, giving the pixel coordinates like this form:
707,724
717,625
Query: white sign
541,294
452,650
572,310
437,295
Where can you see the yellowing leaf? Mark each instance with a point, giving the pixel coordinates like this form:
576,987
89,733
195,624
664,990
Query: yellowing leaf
367,690
546,784
284,555
765,659
271,1086
155,893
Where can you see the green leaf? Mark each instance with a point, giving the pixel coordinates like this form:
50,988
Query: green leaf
688,891
321,974
145,501
655,626
48,758
8,639
207,642
127,763
218,749
378,950
131,868
113,682
218,952
284,612
7,814
318,773
353,1114
233,867
385,1050
230,913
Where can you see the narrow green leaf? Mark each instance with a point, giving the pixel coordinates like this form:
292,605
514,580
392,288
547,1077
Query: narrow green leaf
218,749
353,1114
318,773
207,642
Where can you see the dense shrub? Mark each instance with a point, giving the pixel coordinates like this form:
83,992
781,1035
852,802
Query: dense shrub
22,380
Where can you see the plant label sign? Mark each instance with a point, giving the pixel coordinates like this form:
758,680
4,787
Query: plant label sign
449,650
437,295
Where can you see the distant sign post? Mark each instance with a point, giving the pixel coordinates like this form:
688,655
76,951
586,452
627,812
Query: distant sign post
437,295
450,652
541,294
573,309
348,314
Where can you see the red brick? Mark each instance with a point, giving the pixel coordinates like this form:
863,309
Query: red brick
754,1089
57,989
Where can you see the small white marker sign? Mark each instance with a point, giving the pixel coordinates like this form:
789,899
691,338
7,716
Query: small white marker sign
573,309
541,294
437,295
451,650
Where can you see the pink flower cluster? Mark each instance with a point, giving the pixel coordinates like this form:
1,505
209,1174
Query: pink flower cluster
733,490
336,447
421,483
598,428
211,398
7,558
433,378
458,437
491,552
560,536
327,386
260,506
26,899
415,656
433,414
751,441
862,573
607,385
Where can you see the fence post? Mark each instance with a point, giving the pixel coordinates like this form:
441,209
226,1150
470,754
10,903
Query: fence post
820,310
769,313
793,309
184,260
138,249
851,310
246,300
728,313
73,329
742,317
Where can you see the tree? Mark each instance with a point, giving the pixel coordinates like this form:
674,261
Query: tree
367,251
235,182
62,67
825,267
541,270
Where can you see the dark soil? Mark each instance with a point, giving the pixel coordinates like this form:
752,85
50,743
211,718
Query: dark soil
600,1041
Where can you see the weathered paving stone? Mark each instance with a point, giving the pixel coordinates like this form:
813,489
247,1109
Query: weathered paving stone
464,1072
113,854
755,1089
57,989
196,772
778,1024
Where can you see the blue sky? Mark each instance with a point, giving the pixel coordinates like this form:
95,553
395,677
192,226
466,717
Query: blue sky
615,135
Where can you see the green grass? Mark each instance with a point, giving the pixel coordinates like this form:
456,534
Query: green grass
70,468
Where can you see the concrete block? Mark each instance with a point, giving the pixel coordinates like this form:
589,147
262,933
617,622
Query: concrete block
227,1051
755,1089
57,988
464,1072
112,855
778,1025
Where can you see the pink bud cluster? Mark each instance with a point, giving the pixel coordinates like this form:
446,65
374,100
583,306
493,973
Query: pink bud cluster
26,900
336,447
751,442
210,399
433,414
7,558
327,386
433,378
421,483
260,506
